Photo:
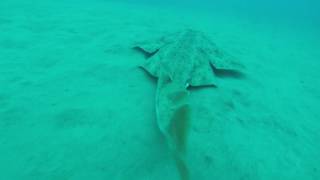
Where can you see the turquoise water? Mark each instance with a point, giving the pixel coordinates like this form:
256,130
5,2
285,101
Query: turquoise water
75,105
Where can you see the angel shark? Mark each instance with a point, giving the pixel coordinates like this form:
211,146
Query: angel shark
178,61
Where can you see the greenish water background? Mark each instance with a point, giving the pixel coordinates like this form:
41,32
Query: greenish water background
74,105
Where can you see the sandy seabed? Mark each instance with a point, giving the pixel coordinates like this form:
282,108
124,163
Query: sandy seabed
74,105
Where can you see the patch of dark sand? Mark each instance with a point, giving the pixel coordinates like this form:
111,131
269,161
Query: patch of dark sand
72,117
4,100
4,21
13,116
10,43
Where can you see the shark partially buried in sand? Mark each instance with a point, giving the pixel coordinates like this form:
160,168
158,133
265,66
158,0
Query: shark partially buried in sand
181,60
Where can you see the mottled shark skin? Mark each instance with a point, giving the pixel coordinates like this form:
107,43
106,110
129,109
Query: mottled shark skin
180,60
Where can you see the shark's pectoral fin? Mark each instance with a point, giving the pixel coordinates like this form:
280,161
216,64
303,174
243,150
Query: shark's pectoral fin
225,65
203,77
147,52
222,60
150,48
228,73
152,66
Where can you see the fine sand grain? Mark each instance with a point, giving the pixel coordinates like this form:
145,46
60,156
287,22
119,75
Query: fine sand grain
74,105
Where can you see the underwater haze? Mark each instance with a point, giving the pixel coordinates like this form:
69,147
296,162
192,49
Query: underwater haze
308,9
153,90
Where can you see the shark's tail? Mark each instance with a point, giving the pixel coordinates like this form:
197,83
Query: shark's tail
173,117
178,133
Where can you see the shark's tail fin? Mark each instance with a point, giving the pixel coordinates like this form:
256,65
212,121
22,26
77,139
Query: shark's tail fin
179,129
173,118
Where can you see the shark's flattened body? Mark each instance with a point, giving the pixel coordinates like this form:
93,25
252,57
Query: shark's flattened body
178,61
186,58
